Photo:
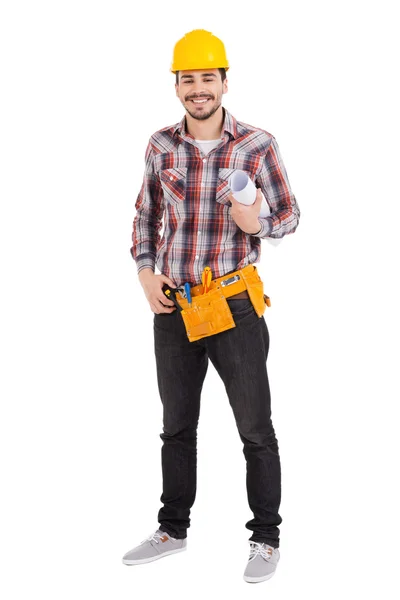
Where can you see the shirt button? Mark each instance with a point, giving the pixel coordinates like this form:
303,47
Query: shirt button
199,231
197,256
204,160
171,178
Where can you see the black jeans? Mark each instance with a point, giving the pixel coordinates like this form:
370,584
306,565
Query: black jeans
239,356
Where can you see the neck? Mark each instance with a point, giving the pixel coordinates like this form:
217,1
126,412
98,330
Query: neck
209,129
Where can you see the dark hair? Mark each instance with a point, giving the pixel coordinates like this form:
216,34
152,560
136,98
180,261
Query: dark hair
221,70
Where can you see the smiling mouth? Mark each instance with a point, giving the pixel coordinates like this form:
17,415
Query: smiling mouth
200,101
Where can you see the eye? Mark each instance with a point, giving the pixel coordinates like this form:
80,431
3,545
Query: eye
206,80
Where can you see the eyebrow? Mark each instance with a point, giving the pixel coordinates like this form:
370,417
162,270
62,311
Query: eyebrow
203,75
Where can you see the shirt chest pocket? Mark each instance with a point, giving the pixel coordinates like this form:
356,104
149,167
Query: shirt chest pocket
223,190
173,182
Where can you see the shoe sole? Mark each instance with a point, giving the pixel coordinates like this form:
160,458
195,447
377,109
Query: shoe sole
257,579
140,561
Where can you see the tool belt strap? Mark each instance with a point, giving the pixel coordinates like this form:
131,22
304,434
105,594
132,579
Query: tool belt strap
230,284
227,288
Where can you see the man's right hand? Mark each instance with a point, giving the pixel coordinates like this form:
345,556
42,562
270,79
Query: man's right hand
152,285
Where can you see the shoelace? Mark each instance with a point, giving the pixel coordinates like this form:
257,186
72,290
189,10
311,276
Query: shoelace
263,549
156,535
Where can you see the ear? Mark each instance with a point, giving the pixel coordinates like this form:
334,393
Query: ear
225,86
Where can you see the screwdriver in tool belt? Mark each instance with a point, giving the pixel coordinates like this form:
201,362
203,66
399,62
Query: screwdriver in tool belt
188,294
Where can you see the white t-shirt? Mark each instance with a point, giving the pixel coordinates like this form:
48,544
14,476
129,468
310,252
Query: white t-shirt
208,145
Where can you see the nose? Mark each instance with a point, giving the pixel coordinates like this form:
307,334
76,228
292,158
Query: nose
198,90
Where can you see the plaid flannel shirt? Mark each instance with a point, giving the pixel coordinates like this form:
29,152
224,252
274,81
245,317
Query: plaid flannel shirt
190,191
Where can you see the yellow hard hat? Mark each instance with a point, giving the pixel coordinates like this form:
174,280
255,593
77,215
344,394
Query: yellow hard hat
199,49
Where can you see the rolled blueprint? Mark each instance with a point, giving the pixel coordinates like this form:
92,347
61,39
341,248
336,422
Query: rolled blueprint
244,191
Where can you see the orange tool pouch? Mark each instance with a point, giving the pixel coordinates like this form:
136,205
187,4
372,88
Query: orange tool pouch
210,313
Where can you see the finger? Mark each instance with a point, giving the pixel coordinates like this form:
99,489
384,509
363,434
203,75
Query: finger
168,280
157,309
168,310
166,301
166,307
154,308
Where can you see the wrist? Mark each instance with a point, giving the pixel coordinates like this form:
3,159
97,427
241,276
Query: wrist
145,273
256,228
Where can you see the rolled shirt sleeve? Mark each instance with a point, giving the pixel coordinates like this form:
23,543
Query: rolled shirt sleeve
274,183
148,218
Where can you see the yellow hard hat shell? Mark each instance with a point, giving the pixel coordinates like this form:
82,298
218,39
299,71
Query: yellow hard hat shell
199,49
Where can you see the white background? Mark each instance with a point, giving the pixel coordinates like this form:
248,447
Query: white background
84,85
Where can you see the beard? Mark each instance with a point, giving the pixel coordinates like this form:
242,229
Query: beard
205,114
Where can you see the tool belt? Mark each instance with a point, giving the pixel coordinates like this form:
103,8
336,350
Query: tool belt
210,313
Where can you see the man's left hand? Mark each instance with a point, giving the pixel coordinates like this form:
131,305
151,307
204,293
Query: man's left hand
246,217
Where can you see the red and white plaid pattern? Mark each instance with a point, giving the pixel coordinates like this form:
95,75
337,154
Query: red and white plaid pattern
190,191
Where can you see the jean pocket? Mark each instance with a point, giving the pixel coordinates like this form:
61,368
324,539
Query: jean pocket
173,182
240,307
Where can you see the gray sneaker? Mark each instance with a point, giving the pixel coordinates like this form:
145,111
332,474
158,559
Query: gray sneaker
156,546
262,563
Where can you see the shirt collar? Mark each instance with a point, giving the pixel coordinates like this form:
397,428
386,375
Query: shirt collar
230,125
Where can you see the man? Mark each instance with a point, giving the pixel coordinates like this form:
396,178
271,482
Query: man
187,169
